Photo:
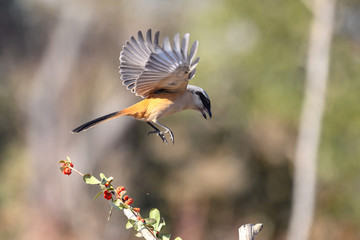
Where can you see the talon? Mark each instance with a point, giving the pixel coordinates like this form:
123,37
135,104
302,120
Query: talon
163,138
160,134
171,137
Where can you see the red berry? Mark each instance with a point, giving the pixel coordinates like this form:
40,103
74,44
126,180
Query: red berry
120,189
126,197
136,209
106,184
129,201
71,164
67,171
138,218
107,195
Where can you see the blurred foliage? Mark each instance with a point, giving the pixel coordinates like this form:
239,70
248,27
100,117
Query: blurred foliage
252,65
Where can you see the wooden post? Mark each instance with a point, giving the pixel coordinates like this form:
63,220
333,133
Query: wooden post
248,231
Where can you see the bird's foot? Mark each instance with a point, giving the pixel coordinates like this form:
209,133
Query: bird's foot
162,135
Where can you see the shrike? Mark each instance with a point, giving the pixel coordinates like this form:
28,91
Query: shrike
160,75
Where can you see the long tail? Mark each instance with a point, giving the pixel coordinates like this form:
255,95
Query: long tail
97,121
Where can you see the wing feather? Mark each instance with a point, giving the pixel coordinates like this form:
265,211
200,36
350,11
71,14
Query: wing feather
132,55
184,46
176,45
194,64
138,48
193,51
149,41
158,58
159,62
156,39
146,67
143,44
168,52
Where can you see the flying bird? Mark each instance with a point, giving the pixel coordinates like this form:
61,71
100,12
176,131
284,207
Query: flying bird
160,75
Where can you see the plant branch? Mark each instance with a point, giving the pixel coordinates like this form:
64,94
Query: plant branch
146,233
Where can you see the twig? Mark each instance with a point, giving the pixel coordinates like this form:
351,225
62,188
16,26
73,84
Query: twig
78,172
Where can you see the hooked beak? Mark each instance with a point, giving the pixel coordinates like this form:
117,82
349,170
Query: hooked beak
204,111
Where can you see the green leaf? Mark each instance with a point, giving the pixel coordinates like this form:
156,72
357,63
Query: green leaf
155,214
165,236
139,235
178,238
102,176
150,221
98,195
88,179
161,225
138,226
129,224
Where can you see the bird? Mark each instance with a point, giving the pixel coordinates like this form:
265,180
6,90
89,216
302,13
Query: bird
160,75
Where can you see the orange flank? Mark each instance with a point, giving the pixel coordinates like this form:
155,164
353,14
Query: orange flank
150,108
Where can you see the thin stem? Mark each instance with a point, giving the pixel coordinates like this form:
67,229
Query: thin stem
80,173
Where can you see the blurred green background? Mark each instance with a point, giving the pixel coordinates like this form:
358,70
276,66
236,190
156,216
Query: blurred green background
59,68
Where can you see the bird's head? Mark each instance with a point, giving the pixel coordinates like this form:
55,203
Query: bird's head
201,100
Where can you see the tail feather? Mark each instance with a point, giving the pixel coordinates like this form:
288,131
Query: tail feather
97,121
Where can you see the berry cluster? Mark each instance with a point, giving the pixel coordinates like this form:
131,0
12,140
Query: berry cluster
66,167
120,194
107,195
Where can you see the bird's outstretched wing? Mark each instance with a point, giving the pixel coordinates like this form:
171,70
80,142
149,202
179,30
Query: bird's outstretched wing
146,67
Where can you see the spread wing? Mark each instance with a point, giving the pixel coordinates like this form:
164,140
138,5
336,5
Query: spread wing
147,67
